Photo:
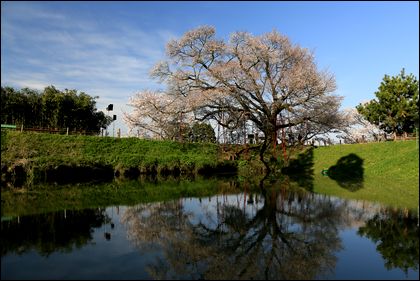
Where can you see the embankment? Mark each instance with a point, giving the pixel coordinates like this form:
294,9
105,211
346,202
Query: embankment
31,158
386,172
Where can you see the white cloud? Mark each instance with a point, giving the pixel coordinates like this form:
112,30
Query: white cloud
29,12
41,47
90,55
33,84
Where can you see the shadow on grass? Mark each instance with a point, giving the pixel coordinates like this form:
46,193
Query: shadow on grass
348,172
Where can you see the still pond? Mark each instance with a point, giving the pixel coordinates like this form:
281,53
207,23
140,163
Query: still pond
247,234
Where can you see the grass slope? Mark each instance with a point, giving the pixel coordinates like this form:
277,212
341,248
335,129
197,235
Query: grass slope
390,169
390,172
49,150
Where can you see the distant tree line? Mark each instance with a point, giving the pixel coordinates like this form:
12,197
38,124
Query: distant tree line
51,108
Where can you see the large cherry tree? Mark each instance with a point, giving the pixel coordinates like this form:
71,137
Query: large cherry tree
265,80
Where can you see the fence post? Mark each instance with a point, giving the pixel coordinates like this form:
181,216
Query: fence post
21,128
67,133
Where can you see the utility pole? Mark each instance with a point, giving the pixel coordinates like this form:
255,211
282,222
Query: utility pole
180,127
113,124
109,108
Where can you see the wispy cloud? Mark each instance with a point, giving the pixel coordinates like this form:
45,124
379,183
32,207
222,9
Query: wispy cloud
42,47
27,83
94,58
29,12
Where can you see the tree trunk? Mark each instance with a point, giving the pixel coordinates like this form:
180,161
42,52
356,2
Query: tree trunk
263,149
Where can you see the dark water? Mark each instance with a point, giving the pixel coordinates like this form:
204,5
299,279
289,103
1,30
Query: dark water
273,234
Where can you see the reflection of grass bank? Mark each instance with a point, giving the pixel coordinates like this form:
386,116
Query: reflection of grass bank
390,172
47,198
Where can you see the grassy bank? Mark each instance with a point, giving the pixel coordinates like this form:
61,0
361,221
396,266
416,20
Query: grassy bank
50,149
383,172
390,172
44,152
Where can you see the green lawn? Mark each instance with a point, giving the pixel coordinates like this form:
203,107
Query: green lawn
390,172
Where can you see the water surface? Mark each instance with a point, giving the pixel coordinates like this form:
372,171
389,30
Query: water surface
272,233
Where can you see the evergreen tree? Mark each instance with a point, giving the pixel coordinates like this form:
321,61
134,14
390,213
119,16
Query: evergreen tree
202,132
395,109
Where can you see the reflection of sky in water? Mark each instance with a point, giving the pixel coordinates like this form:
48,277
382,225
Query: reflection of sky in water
366,261
204,210
119,258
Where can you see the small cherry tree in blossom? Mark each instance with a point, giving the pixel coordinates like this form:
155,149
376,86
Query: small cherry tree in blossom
359,129
159,114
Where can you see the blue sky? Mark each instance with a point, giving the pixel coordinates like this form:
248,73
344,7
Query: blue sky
106,49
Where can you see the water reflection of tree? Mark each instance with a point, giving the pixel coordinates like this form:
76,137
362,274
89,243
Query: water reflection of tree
396,233
50,232
291,236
